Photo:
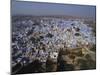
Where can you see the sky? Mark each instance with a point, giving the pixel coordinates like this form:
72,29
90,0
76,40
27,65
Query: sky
42,9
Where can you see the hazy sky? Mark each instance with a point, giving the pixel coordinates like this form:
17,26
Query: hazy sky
35,8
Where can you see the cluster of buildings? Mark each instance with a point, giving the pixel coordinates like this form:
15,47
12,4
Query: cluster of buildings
43,38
